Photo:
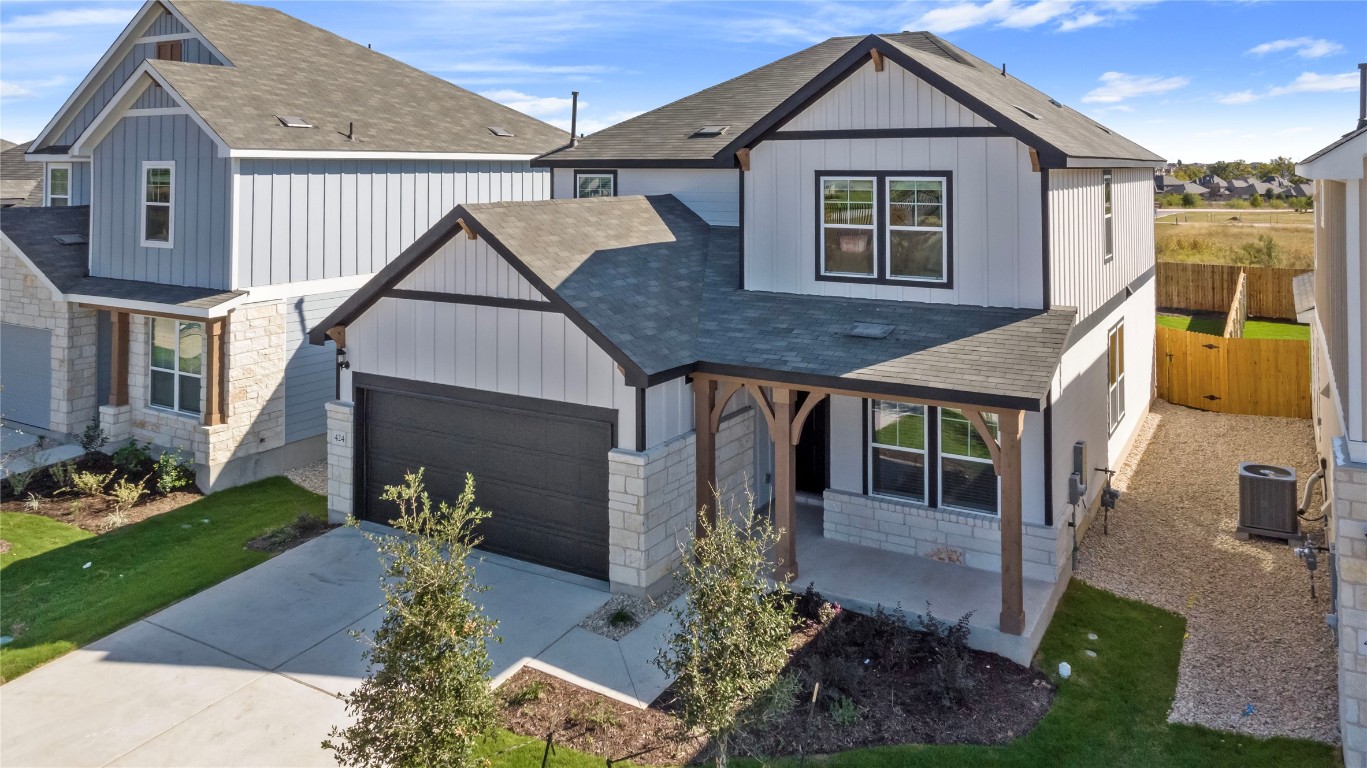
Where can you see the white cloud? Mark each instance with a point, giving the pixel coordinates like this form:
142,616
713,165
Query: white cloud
1238,97
1308,82
1081,21
85,17
25,37
1042,12
1113,108
11,90
1069,14
952,18
540,107
1305,47
514,67
1118,86
591,124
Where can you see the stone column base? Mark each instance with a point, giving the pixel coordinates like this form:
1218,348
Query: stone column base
117,422
340,436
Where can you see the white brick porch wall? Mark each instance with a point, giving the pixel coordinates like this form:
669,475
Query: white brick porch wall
27,302
1350,522
651,505
965,538
341,439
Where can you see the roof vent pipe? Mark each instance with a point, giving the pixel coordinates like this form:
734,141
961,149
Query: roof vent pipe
1003,69
1362,96
574,118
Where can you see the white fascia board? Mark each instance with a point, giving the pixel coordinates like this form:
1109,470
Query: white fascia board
1344,162
304,154
306,288
153,308
42,278
1353,258
139,20
55,159
174,11
155,111
120,105
165,38
1106,162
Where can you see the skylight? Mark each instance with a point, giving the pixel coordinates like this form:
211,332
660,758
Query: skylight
293,121
497,131
869,330
76,239
711,130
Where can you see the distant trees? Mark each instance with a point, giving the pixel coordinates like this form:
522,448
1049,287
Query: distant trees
1255,200
1190,200
1189,172
1230,169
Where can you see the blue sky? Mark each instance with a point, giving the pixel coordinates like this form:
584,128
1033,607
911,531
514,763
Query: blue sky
1196,81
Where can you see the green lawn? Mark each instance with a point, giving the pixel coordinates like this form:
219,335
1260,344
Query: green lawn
1253,329
1112,712
51,604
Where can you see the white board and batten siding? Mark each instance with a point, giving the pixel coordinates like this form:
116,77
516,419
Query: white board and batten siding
199,255
1080,274
713,194
301,220
893,98
465,266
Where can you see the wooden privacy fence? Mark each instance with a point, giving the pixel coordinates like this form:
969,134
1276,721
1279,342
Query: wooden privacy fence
1258,377
1237,316
1211,287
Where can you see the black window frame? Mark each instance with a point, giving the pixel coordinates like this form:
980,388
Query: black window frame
934,456
880,228
589,172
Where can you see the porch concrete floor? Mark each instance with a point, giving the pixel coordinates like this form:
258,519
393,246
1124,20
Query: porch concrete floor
863,577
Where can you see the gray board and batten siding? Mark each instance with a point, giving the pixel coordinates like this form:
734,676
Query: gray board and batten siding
310,371
155,97
192,51
313,219
199,255
165,24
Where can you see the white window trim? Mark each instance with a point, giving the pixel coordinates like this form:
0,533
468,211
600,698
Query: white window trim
176,373
873,443
170,204
47,183
1108,214
943,229
1113,419
940,468
871,227
612,182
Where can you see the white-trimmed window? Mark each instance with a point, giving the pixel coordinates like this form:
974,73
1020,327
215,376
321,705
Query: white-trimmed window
1110,220
177,366
968,481
1115,374
595,184
58,184
848,226
158,203
897,450
917,240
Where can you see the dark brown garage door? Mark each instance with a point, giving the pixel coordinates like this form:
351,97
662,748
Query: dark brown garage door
540,467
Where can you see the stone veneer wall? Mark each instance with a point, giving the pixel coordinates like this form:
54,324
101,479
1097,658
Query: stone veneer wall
27,302
340,439
651,507
1350,522
967,538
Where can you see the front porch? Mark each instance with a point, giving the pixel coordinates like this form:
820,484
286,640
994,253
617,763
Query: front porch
862,578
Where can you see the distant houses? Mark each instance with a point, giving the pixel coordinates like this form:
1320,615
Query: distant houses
1213,188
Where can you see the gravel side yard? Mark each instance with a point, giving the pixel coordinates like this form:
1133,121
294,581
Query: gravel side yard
1258,657
311,477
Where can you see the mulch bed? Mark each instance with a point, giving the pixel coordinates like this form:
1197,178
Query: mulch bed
886,678
305,528
44,496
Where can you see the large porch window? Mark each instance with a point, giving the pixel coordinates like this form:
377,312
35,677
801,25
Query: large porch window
177,364
932,456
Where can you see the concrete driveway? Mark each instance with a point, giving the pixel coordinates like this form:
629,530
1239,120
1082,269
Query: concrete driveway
246,673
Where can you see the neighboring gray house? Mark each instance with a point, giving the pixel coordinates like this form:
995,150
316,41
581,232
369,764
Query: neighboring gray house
20,180
901,296
228,175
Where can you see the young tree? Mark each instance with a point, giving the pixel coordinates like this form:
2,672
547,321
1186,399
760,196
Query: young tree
426,698
1255,200
1190,200
733,630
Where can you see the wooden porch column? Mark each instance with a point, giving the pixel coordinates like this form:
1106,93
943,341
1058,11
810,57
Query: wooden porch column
213,372
118,360
785,483
705,451
1010,426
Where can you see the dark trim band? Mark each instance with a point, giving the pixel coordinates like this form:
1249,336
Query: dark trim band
1098,315
888,133
470,299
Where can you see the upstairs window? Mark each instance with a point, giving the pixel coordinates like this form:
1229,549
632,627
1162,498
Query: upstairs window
177,367
169,50
1110,225
885,228
1115,374
59,184
158,202
595,184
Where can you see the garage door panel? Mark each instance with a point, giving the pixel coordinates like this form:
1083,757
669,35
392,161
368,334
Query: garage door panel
26,375
542,475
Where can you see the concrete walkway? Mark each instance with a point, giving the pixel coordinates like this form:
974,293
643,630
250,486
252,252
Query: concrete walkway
20,450
247,672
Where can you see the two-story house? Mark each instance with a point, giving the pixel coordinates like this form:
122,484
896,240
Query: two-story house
217,184
1339,367
902,296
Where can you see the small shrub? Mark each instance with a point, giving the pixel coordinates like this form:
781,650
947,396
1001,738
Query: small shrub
1190,200
1264,253
843,712
947,649
91,483
173,471
597,716
125,493
1255,201
33,503
776,702
621,617
528,693
18,481
134,456
62,474
1238,202
1276,203
93,437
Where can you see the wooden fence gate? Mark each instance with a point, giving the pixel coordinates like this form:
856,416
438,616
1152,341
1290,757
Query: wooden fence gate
1258,377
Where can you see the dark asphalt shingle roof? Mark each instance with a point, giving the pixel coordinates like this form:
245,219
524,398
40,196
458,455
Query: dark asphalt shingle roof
660,285
32,230
747,102
283,66
20,180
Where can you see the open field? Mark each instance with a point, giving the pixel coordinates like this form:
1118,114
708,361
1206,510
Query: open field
1245,216
1226,242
